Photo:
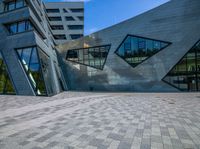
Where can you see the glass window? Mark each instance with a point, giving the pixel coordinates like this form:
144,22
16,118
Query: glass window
14,5
69,19
65,10
13,28
11,6
60,37
75,27
77,10
46,70
185,74
31,64
55,18
19,3
134,50
81,18
19,27
6,86
53,10
76,36
94,56
28,25
57,27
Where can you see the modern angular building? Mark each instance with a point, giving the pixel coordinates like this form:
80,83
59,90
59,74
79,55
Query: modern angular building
66,20
157,51
28,59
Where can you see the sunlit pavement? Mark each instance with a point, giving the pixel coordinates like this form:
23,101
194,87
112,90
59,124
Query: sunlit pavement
80,120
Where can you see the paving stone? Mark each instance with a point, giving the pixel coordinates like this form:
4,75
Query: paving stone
46,137
115,136
76,120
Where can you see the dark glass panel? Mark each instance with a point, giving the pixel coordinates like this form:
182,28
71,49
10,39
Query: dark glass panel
81,18
34,57
69,18
11,6
134,50
46,70
25,56
6,86
21,26
52,10
77,10
13,28
19,3
75,27
14,5
185,74
93,56
28,25
60,37
65,11
57,27
55,18
76,36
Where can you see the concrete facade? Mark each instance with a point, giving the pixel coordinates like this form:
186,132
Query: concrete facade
176,22
72,14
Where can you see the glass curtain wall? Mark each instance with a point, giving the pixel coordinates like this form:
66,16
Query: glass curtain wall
46,70
31,64
94,56
6,86
186,74
134,50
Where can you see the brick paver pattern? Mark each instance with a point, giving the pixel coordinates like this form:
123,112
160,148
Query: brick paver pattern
81,120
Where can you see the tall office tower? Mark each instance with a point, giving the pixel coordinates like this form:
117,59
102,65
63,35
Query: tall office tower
66,20
28,61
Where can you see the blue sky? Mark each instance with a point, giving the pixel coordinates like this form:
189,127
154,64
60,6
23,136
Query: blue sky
100,14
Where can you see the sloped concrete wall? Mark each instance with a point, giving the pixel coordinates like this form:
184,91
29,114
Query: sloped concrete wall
176,22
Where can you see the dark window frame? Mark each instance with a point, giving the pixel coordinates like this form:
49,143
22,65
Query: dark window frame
77,10
52,10
50,18
94,48
69,18
145,38
73,27
57,27
186,64
54,36
77,35
65,11
81,18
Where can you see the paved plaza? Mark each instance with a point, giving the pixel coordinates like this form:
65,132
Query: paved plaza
81,120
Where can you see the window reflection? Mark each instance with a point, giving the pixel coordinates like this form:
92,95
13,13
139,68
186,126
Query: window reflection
135,50
93,57
6,86
186,74
11,5
46,70
30,61
19,27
